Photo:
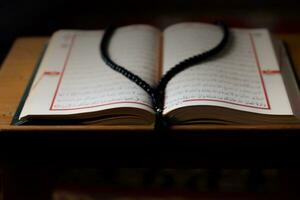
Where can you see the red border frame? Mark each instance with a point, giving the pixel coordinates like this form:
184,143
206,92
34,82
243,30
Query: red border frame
84,107
104,104
260,71
134,102
261,78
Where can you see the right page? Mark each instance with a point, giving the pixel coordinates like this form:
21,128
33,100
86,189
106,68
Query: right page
244,77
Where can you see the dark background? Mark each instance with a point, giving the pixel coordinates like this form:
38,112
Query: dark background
42,17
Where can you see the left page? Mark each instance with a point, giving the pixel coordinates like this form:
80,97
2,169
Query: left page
73,79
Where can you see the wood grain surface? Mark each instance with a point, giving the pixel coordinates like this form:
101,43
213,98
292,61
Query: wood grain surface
17,69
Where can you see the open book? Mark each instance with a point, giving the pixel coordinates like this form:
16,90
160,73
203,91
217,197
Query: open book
244,84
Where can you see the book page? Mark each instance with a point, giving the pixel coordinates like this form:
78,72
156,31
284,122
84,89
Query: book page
245,76
72,77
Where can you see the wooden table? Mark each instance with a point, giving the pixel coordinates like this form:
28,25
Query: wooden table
242,143
28,152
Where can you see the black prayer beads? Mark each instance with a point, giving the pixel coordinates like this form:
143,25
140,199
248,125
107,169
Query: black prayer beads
157,93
